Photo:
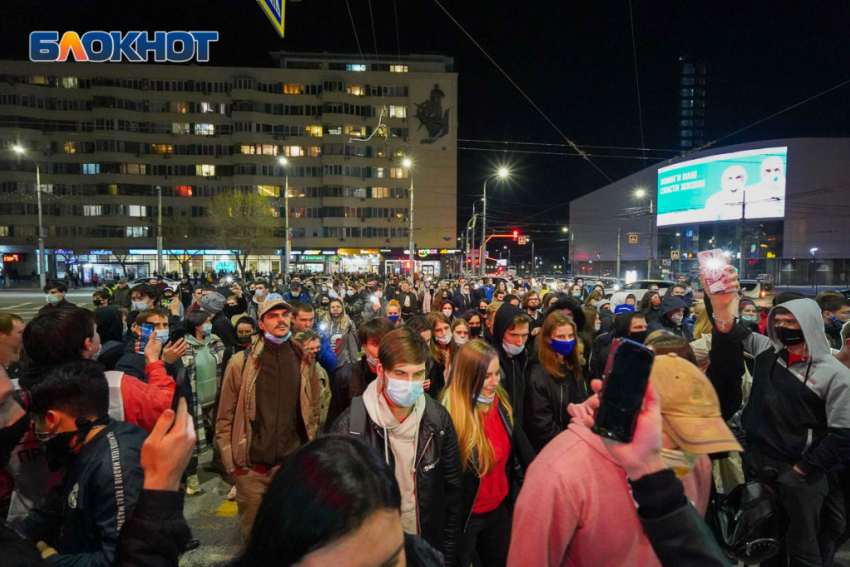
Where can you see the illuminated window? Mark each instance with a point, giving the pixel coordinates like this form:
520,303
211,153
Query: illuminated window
251,150
207,107
37,80
380,172
133,168
314,151
380,192
180,128
204,129
136,211
357,67
355,131
398,112
380,152
268,190
293,89
70,147
205,170
183,190
334,130
355,90
4,231
398,68
294,151
161,148
275,212
314,131
179,107
398,172
69,82
92,210
91,168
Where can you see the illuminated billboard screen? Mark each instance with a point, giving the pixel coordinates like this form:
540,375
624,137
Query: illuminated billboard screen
715,188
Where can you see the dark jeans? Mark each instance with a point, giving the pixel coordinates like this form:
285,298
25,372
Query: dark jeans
812,509
487,538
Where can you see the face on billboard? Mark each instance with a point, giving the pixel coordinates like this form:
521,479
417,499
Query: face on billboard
715,188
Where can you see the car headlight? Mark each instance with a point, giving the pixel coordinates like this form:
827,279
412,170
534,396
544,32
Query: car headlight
616,287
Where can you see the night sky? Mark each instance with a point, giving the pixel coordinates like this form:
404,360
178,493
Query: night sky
574,59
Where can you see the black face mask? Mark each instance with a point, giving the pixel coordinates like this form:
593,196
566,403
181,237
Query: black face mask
533,307
790,337
336,315
639,336
474,331
58,450
9,437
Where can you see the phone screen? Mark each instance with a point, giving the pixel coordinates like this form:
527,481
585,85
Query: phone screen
147,332
623,389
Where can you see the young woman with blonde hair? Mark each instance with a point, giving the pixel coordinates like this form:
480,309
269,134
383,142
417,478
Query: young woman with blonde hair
555,382
483,419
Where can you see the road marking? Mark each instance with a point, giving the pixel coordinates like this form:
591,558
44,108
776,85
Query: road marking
17,306
227,510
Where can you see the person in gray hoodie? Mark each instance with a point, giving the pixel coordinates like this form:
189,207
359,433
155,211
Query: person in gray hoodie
671,318
797,418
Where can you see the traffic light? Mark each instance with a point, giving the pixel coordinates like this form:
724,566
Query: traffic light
407,264
516,233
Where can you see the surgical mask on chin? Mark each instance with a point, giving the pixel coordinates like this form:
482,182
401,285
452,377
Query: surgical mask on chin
445,339
482,399
277,340
577,295
681,462
677,319
460,341
52,298
140,305
404,393
512,350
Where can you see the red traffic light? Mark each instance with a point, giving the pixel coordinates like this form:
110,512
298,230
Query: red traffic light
516,233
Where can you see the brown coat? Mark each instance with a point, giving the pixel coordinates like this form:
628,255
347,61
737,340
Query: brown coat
238,404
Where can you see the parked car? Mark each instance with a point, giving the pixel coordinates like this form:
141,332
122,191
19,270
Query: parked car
611,285
639,288
755,289
168,281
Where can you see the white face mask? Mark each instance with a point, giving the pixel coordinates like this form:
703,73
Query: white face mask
460,341
162,335
597,325
404,393
512,350
447,313
445,339
677,319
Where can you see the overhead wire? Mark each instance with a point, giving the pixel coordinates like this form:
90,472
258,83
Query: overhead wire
517,143
536,152
637,77
354,27
397,35
572,144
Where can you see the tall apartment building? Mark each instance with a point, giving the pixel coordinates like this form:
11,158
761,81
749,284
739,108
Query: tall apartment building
106,138
692,98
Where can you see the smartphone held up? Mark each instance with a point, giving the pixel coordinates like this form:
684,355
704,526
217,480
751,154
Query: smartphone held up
623,389
712,264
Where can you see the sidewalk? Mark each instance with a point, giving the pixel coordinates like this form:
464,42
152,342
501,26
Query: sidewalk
33,286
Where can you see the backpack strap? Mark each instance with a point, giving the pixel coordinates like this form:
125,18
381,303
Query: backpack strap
357,418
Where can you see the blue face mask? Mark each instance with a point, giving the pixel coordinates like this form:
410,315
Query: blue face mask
404,393
277,340
393,318
749,319
512,349
485,400
563,347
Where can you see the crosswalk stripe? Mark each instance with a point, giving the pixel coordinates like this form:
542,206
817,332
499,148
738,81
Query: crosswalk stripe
11,307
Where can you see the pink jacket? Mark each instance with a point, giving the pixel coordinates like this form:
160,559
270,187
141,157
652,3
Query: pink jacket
576,509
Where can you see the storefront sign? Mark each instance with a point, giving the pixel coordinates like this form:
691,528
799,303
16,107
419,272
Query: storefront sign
329,252
304,258
355,251
100,252
148,252
69,252
11,257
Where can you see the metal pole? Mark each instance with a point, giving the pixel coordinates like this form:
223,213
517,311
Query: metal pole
533,259
412,265
679,242
743,227
287,253
472,245
482,259
42,279
619,240
649,259
159,231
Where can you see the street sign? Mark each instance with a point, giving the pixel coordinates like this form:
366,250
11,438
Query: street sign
274,9
522,239
633,239
674,254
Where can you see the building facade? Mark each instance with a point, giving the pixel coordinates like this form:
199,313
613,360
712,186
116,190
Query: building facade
797,236
692,103
107,139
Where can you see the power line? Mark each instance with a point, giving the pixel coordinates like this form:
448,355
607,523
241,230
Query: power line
572,144
564,145
374,35
637,79
584,156
397,36
354,27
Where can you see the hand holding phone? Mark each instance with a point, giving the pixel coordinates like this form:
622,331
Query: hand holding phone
712,264
147,333
623,390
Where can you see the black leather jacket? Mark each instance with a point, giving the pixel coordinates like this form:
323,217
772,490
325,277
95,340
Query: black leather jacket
546,401
472,482
438,475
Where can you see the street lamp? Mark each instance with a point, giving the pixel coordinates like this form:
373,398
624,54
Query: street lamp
564,229
286,245
503,173
407,163
640,194
42,280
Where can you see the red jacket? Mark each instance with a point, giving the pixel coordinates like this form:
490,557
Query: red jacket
144,403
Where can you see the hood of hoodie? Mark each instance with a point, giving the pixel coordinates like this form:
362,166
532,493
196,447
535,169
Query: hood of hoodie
573,307
109,327
504,317
808,314
671,303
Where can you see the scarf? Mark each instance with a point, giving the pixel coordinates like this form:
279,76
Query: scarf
402,439
205,370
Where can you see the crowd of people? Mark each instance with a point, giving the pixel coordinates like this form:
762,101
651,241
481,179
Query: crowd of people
371,420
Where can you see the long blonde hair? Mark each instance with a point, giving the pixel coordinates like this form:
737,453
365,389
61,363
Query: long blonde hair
468,374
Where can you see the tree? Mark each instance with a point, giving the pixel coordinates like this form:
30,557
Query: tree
242,223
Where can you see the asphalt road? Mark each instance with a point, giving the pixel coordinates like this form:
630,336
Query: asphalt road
26,303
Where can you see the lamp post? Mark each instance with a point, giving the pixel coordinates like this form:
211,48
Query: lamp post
408,164
286,245
159,230
42,280
501,174
640,194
